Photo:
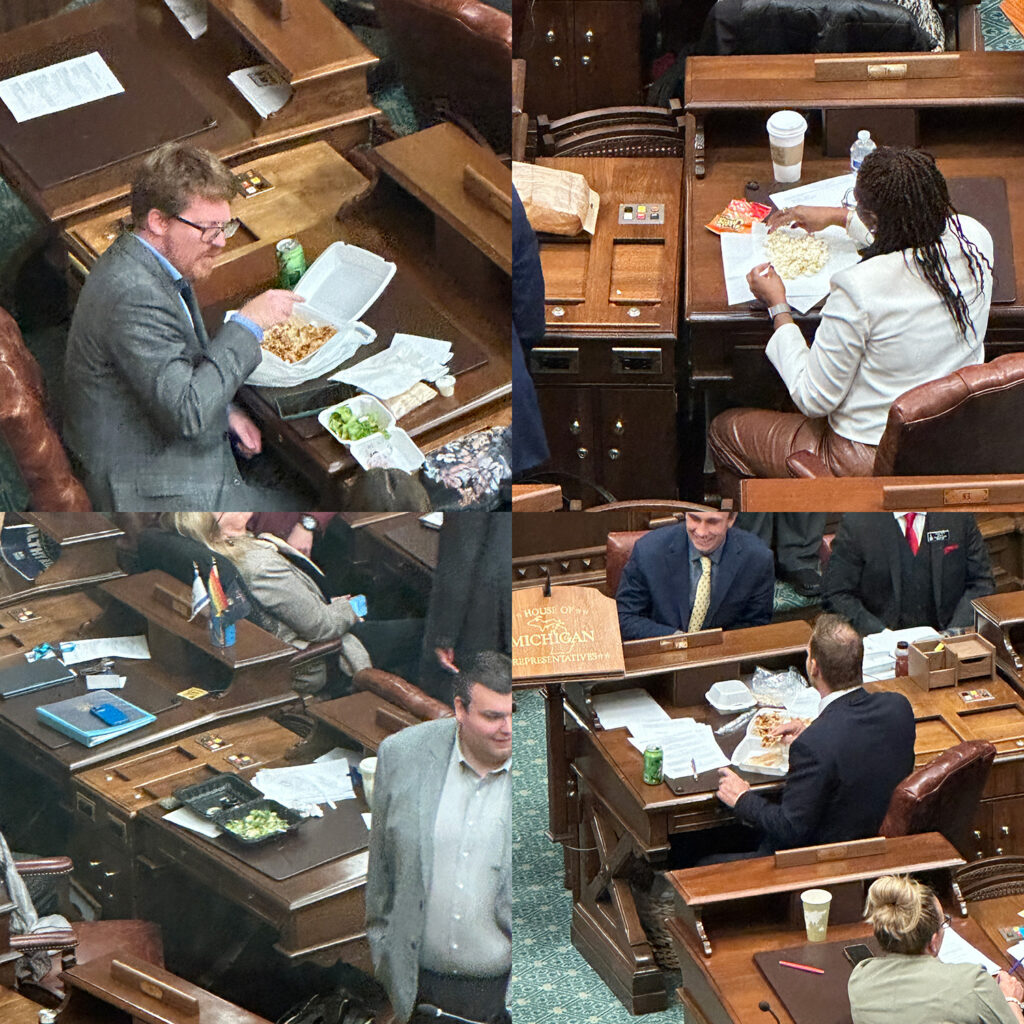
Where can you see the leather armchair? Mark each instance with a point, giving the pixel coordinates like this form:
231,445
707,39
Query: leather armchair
35,443
942,796
454,58
85,941
618,548
956,424
398,691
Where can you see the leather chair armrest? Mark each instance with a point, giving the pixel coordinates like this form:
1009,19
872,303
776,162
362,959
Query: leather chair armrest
314,651
398,691
806,464
45,866
43,941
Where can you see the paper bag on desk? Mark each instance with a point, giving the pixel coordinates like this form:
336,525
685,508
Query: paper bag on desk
556,202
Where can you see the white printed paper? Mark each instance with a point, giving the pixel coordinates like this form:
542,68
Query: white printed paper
263,87
303,786
405,362
59,87
957,950
191,13
74,652
628,708
687,746
185,817
827,192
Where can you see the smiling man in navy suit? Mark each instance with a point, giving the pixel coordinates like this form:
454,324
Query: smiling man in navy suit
704,574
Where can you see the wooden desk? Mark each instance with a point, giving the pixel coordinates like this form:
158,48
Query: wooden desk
1000,619
884,493
726,987
363,716
323,60
423,298
16,1009
605,372
88,554
617,818
727,342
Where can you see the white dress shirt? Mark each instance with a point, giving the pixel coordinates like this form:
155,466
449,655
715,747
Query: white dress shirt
883,331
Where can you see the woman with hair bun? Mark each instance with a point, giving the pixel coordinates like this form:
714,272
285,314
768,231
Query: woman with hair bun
914,309
908,984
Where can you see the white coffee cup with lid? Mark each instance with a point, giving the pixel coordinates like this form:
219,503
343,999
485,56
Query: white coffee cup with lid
786,130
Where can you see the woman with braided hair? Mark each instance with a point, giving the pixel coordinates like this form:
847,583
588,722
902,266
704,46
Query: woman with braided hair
914,309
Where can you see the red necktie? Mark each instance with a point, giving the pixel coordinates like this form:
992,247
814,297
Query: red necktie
911,535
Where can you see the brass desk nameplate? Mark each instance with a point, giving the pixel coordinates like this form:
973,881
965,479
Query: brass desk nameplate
857,69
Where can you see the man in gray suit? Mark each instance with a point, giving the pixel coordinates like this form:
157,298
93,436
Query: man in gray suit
438,889
148,409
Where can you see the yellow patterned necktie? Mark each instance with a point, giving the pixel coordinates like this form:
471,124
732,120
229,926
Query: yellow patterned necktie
703,596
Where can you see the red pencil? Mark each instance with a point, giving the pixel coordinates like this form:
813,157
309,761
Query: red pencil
801,967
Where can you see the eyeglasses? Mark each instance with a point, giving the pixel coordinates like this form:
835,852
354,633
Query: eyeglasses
850,200
947,920
209,232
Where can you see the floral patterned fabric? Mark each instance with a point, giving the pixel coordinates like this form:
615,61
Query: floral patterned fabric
928,18
469,473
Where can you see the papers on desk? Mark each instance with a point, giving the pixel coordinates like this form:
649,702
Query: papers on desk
742,252
880,650
59,87
957,950
191,13
187,818
628,709
304,787
688,746
74,652
263,87
405,362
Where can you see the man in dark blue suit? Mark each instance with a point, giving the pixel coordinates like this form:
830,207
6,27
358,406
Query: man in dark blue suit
708,574
844,766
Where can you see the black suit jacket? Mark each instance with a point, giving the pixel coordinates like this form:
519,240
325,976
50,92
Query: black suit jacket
863,582
842,770
654,591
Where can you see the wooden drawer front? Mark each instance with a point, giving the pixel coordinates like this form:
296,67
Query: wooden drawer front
701,816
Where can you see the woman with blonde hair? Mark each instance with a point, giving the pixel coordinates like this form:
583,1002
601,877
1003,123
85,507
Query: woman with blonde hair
285,600
909,984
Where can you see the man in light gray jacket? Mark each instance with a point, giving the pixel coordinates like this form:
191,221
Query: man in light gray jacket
149,392
438,889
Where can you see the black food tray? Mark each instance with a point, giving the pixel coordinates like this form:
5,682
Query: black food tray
293,818
221,793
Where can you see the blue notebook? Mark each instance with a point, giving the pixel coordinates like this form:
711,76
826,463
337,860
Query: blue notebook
74,717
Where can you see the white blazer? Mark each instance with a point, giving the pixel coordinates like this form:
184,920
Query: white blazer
883,331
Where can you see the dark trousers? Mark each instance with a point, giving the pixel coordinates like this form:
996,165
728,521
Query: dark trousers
476,999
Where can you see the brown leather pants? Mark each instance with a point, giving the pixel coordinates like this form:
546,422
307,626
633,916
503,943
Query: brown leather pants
757,442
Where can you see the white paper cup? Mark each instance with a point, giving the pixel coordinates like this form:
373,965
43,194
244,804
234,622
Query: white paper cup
367,770
816,904
446,385
786,130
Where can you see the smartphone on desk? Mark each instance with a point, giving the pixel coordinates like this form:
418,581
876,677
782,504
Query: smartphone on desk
856,953
109,714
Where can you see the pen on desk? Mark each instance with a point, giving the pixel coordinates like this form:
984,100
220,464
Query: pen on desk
801,967
693,768
1016,963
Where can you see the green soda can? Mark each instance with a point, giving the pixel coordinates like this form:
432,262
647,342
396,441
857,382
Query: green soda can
291,263
653,759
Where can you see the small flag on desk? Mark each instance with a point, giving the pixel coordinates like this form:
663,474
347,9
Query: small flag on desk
218,599
200,598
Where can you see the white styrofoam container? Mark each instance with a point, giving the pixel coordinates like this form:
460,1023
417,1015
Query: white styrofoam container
396,451
751,745
360,405
730,695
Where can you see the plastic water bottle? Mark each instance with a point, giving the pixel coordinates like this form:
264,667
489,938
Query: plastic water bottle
862,145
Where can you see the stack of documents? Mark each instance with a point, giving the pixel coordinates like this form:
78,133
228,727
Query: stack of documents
957,950
689,746
880,650
628,709
304,787
406,361
75,717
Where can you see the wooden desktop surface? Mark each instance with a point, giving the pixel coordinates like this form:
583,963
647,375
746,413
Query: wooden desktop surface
325,61
884,493
16,1009
772,81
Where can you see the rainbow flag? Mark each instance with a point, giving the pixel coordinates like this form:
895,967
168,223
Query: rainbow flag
218,599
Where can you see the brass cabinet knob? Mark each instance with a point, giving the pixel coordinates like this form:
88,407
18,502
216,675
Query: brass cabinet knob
556,62
1004,830
585,61
550,37
613,453
582,453
618,427
575,427
589,35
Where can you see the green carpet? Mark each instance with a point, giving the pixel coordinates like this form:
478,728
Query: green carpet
551,982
